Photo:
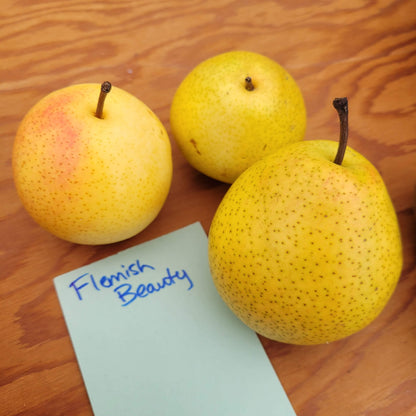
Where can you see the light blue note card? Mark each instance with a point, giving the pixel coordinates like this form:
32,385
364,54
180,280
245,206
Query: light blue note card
153,337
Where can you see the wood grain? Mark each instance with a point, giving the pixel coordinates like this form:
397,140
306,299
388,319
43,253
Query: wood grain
364,49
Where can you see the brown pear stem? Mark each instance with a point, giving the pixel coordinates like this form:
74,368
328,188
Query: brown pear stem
249,84
341,105
105,89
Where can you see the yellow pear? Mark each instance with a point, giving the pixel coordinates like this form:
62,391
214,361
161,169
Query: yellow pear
92,173
305,247
233,109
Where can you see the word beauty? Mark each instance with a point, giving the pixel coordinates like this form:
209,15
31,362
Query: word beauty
87,284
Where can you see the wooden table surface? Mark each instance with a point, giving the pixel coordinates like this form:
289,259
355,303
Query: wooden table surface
365,50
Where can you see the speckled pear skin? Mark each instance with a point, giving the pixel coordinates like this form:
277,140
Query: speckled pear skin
221,127
90,180
305,251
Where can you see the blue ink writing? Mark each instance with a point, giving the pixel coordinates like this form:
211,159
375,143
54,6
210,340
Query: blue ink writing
86,279
127,295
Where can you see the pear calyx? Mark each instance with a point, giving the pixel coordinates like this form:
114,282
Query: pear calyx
341,105
105,89
249,84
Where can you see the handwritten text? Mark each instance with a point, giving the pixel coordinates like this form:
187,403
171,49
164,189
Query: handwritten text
127,295
86,284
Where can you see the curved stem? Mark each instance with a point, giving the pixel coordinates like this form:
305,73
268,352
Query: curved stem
105,89
341,105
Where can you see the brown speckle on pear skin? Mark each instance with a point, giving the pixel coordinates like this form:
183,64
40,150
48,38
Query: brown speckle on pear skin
193,142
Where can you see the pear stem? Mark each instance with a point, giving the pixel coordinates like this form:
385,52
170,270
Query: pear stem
341,105
105,89
249,84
